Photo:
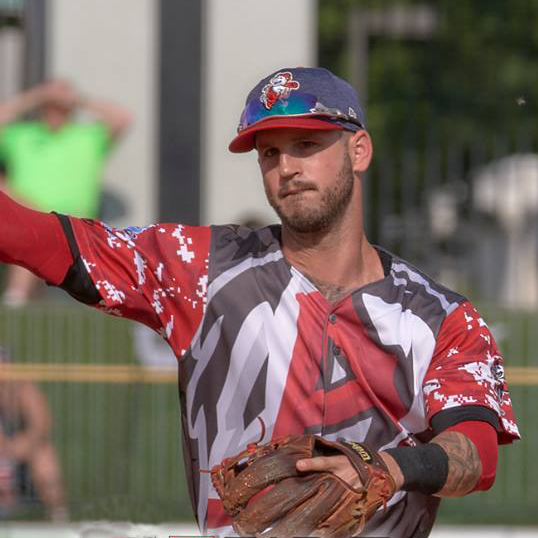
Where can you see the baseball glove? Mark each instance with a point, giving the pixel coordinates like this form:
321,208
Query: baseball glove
265,495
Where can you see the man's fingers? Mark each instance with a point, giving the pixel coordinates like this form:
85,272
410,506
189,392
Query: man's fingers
339,465
317,464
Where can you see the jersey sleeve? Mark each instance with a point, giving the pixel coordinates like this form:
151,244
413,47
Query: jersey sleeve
467,370
156,275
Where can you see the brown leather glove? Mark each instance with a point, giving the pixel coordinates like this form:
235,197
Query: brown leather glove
265,495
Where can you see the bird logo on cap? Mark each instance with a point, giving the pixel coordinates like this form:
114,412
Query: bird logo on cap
279,87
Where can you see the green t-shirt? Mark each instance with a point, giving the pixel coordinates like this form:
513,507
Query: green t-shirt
56,170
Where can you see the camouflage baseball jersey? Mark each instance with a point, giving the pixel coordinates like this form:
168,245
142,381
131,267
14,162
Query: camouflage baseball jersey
393,363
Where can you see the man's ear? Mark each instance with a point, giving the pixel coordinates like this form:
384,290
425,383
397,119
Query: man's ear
360,151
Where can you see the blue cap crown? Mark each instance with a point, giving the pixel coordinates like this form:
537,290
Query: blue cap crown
330,91
298,97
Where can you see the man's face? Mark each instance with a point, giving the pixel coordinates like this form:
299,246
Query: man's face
308,176
56,115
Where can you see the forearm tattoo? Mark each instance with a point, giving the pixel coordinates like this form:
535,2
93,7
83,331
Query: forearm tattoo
464,465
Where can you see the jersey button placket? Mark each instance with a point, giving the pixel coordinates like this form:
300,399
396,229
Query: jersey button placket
332,318
329,349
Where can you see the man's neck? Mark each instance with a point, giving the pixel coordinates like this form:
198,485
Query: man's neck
336,261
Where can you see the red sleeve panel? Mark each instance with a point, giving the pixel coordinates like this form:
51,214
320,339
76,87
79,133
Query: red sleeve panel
467,370
155,275
484,438
33,240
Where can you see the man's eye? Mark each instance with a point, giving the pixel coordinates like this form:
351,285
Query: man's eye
269,152
305,144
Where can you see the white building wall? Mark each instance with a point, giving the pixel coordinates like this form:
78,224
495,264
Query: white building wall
245,41
108,49
11,61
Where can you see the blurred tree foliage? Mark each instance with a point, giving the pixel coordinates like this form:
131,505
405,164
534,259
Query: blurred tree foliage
476,77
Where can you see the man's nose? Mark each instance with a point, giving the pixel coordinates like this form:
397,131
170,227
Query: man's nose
288,166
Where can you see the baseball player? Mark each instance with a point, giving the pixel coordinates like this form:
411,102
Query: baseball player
302,327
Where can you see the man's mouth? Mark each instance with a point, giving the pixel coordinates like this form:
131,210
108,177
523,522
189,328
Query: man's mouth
294,190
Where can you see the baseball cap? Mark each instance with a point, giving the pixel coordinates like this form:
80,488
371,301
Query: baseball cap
298,97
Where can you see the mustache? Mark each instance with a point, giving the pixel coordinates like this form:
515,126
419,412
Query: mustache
294,187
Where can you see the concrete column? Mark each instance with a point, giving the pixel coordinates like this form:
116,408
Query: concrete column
11,61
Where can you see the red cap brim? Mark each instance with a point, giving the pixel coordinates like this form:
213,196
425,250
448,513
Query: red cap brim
245,140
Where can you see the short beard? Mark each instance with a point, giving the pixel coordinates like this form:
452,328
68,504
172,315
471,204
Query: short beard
333,203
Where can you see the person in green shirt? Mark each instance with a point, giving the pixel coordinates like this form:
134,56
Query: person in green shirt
55,162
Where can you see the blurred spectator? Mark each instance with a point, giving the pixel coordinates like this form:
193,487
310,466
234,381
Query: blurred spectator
54,163
28,462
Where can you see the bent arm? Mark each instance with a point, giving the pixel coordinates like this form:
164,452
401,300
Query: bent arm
463,460
457,461
114,116
23,103
464,464
449,466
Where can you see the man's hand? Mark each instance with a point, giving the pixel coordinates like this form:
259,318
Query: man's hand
320,503
464,466
341,467
338,465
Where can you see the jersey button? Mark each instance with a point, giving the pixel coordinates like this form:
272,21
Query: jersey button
336,350
332,318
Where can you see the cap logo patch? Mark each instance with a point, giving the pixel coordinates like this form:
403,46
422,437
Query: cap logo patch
279,87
